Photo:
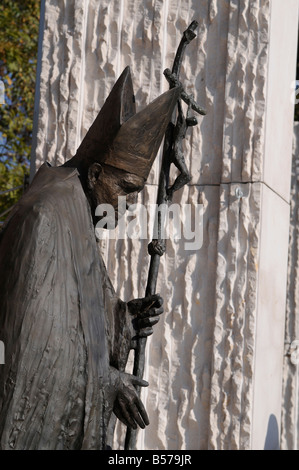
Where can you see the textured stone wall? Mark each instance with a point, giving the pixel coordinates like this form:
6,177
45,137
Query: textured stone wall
290,408
202,358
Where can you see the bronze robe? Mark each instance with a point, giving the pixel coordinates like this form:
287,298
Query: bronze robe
60,320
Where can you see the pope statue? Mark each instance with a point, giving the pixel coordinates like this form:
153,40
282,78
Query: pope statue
66,333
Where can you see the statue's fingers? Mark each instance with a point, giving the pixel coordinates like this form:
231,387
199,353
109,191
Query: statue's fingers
145,332
156,311
137,417
142,411
138,381
147,322
135,306
129,424
158,300
160,250
151,312
123,415
154,300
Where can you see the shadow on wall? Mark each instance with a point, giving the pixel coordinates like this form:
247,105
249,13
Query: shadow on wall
272,436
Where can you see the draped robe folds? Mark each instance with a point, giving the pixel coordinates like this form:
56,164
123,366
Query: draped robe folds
60,321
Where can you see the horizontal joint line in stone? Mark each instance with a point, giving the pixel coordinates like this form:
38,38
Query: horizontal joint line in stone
228,183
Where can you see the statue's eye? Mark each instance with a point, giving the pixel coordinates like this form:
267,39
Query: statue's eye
129,187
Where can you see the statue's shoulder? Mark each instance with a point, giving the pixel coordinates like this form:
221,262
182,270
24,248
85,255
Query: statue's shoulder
50,194
49,177
52,186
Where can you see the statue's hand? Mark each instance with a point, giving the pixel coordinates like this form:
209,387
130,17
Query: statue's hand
128,407
156,247
145,313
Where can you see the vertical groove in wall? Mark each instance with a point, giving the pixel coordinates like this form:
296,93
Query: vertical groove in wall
234,335
37,90
245,91
290,416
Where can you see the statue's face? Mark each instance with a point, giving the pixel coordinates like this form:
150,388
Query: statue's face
107,184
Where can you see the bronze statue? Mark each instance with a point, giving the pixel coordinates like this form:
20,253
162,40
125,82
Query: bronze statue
67,335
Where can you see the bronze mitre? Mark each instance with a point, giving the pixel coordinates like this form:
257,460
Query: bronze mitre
122,138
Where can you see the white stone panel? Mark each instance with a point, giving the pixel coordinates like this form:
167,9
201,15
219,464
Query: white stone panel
86,46
270,320
231,402
281,77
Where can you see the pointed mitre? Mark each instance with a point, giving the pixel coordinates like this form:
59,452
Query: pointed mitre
125,140
136,145
118,108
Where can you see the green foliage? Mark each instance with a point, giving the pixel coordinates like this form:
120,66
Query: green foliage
19,23
11,178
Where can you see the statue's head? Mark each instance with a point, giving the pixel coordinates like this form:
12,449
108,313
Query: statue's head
117,153
106,184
